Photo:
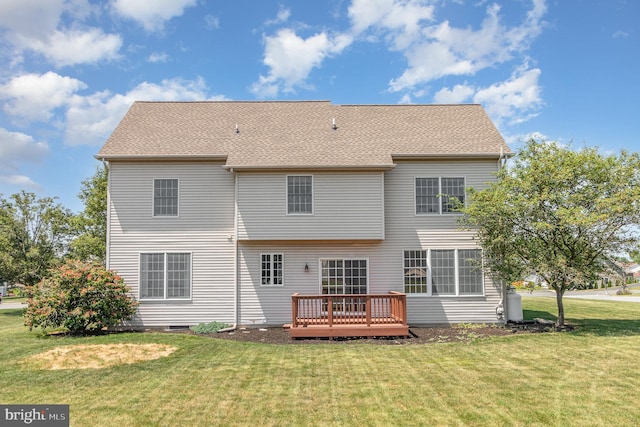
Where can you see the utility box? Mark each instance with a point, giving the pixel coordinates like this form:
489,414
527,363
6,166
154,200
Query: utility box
514,306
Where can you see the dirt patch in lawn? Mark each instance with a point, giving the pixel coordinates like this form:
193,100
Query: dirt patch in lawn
97,356
429,335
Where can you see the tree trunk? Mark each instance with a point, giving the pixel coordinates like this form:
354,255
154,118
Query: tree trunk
559,295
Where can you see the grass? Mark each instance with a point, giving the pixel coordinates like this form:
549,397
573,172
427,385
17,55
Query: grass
586,377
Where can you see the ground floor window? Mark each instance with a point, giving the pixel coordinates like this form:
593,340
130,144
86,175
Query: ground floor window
443,272
165,275
271,269
344,276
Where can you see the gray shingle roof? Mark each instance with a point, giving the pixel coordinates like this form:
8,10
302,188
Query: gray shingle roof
283,134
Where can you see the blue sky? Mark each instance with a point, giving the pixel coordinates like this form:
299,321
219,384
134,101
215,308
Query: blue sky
69,69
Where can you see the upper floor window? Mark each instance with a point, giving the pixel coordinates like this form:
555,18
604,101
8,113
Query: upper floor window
165,275
439,195
271,269
299,194
165,197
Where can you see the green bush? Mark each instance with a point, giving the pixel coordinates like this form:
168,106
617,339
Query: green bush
208,328
81,297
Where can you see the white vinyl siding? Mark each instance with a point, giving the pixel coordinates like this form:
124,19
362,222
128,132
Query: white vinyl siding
378,226
165,197
346,205
404,230
204,230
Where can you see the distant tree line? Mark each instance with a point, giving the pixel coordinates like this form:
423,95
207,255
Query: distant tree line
38,234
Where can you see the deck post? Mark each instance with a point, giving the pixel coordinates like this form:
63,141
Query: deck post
294,310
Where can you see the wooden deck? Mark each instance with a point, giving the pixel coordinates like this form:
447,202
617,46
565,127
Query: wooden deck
349,315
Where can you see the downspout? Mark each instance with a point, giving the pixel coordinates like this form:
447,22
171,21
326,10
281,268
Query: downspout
501,309
236,288
107,255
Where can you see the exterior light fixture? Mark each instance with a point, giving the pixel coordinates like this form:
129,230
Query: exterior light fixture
306,268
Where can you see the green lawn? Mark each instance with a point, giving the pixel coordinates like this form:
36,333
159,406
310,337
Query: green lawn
587,377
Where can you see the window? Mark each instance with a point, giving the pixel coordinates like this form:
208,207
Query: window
470,271
165,276
165,197
443,272
415,272
300,194
271,269
344,276
435,195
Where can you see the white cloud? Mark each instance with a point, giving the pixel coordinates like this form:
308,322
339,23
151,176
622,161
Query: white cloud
283,15
158,57
91,119
212,22
620,35
516,99
33,97
516,140
34,25
399,19
446,50
20,147
16,148
457,95
152,15
20,181
31,18
291,59
76,46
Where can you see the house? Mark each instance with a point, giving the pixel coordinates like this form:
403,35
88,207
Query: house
223,210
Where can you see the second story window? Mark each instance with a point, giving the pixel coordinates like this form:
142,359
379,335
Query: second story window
165,197
299,194
439,195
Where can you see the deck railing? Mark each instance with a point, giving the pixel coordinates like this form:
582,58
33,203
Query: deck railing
351,309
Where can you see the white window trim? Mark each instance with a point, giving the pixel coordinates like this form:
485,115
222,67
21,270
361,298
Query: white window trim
153,200
140,298
429,292
439,213
343,260
286,195
271,269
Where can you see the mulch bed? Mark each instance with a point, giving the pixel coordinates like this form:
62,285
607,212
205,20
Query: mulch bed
427,335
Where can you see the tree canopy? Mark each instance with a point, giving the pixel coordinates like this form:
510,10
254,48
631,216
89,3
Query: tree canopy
90,226
34,235
557,212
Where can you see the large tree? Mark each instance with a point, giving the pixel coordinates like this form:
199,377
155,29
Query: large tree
90,225
557,212
34,236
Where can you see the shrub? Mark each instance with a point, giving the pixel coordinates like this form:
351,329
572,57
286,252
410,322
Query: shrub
82,297
208,328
